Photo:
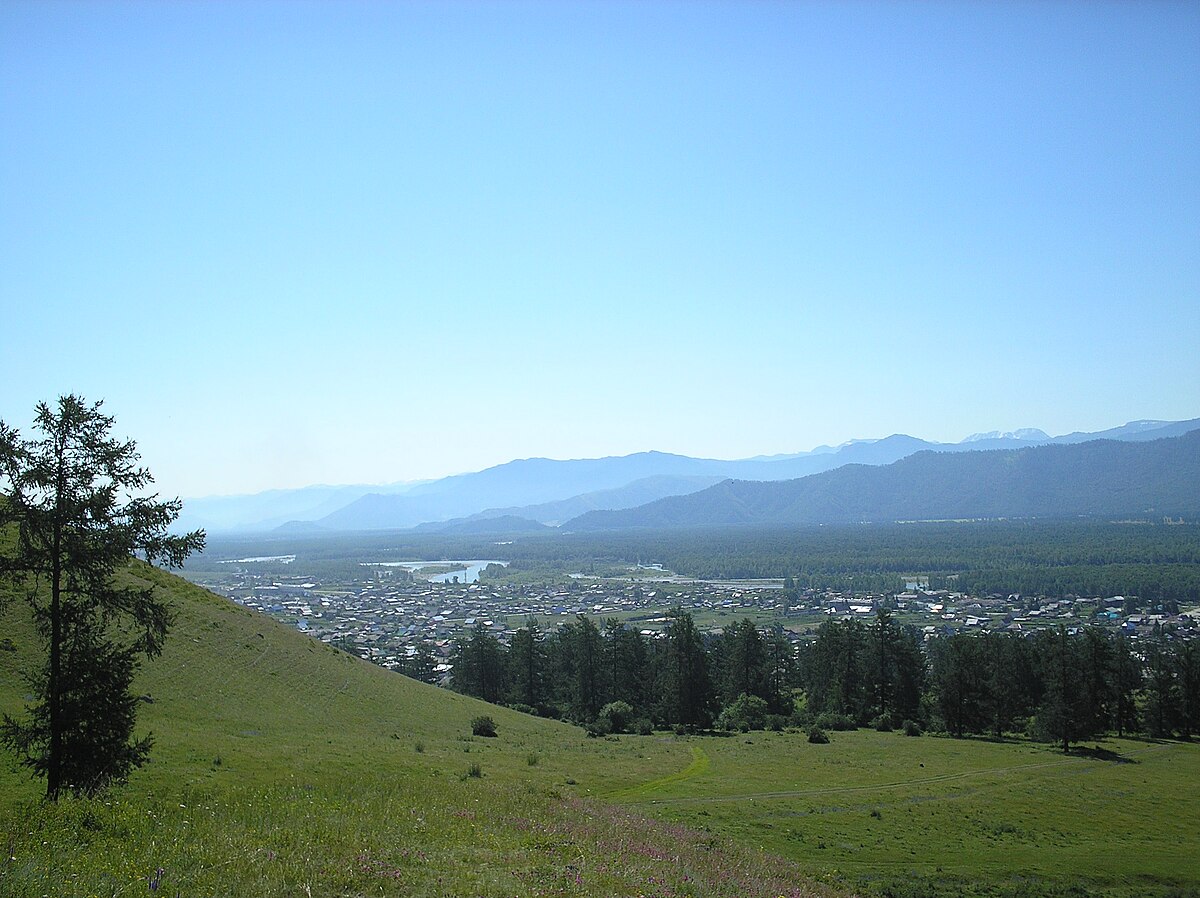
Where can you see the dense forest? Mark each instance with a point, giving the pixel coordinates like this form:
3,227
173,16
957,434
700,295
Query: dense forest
1057,685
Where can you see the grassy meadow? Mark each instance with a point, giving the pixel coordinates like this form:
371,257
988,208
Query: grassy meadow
283,767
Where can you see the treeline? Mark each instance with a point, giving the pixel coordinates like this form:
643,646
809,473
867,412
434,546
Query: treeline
1056,685
613,678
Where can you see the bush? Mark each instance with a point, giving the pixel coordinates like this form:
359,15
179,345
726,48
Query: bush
775,723
598,727
801,718
483,726
745,713
618,714
643,727
524,709
817,736
836,722
911,728
882,723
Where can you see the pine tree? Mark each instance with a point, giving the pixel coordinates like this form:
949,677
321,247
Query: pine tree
73,497
688,692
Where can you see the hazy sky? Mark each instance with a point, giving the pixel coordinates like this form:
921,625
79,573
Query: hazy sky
331,242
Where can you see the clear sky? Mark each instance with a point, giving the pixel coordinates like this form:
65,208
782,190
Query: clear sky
293,243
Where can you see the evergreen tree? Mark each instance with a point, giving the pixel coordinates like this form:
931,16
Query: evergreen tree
780,669
835,671
959,681
626,665
884,642
587,655
1187,676
1127,682
74,497
422,664
478,665
1161,690
1097,680
527,666
910,675
688,692
1010,680
744,668
1062,714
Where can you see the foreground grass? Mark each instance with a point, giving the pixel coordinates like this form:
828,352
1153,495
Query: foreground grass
929,815
376,838
283,767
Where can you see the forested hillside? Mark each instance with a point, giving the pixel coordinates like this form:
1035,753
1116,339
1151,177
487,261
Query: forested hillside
1098,478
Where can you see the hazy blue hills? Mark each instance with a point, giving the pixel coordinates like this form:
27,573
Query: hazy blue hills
639,492
1140,478
552,491
501,524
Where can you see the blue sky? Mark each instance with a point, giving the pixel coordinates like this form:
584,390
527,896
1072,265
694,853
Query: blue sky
295,243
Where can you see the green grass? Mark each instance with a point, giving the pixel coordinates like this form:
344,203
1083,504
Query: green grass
875,807
284,767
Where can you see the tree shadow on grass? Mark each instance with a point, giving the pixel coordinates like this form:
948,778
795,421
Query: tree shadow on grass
1096,753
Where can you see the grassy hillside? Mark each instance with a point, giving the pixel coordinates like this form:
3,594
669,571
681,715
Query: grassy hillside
284,767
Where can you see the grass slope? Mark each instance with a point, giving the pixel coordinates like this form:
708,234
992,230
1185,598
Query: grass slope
1121,817
284,767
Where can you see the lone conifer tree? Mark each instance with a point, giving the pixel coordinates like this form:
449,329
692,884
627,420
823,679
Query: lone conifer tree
71,517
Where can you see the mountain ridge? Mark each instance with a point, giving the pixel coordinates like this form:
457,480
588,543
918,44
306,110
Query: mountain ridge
1096,477
555,490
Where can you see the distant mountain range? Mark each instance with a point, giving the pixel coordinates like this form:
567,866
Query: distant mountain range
552,492
1141,479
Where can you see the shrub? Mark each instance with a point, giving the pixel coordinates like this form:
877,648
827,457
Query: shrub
775,723
801,718
618,714
836,722
882,723
643,727
745,713
817,736
911,728
483,726
598,727
524,709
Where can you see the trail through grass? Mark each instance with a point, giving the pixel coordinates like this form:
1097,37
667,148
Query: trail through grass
697,767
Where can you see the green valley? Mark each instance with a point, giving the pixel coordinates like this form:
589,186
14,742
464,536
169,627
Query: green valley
283,766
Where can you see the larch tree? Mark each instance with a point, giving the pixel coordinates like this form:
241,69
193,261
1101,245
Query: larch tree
74,515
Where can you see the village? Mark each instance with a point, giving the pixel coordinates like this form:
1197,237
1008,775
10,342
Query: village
393,611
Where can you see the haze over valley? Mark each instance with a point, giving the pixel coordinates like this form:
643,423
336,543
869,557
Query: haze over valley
623,449
557,493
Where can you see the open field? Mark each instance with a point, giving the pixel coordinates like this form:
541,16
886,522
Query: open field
1123,816
285,767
